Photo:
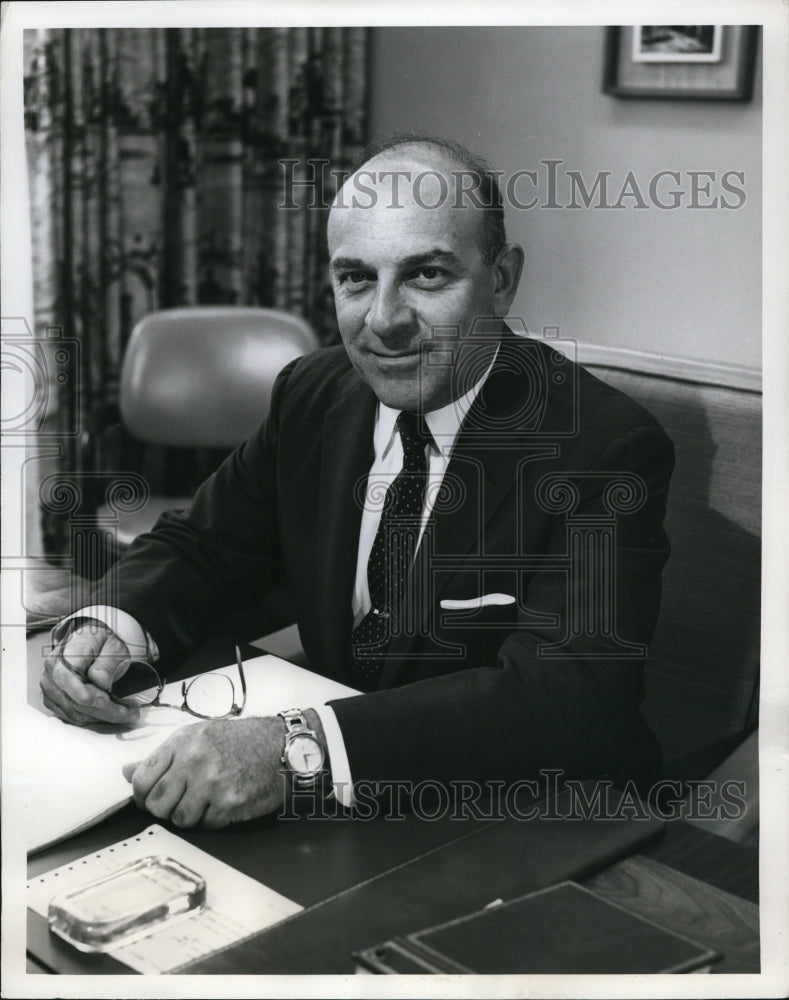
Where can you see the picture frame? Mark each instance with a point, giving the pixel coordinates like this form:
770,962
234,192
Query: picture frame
681,62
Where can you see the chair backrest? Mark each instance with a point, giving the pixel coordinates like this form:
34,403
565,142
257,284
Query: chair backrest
202,376
703,670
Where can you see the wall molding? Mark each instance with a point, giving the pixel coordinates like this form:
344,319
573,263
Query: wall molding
663,366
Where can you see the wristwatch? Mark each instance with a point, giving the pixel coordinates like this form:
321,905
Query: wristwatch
303,754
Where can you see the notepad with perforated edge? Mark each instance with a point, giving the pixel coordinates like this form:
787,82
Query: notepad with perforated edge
236,905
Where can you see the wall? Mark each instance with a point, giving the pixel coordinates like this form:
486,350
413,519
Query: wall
684,283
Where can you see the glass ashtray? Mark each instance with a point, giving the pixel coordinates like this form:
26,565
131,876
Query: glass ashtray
126,904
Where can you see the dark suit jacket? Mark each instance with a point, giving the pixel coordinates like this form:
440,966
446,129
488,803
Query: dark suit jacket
499,693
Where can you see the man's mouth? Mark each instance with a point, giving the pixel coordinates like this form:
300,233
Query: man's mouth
396,360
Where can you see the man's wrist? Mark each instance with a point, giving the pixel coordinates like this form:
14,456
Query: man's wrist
323,785
117,622
67,626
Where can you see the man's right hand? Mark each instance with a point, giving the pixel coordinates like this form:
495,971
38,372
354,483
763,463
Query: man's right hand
79,672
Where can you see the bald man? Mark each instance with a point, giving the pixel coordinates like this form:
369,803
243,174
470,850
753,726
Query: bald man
408,487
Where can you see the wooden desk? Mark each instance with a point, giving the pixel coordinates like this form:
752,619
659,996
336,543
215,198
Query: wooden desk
311,861
711,897
689,881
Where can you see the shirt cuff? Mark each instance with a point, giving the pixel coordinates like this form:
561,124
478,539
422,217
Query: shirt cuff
338,756
141,645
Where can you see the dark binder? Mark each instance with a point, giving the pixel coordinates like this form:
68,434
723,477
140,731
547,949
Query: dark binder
565,929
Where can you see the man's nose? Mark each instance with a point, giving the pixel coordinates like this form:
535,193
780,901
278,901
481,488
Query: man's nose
388,313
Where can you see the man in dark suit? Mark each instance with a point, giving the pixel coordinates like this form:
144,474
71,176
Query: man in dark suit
471,525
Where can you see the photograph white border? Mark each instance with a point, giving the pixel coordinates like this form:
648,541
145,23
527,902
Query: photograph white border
774,727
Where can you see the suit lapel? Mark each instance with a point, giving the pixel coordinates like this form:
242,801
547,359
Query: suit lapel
496,436
346,460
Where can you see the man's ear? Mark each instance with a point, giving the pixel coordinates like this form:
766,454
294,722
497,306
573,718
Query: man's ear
507,275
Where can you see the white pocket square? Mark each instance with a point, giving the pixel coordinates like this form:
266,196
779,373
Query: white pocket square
476,602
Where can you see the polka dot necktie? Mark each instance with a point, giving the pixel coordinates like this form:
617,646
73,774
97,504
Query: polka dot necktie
391,556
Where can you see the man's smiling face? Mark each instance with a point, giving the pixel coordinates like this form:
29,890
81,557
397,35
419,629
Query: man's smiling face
399,270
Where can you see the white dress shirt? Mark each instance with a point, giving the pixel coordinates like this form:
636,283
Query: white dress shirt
444,425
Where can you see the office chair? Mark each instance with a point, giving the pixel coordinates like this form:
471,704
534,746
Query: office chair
193,377
201,377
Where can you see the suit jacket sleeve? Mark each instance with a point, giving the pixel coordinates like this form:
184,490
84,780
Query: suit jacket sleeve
222,554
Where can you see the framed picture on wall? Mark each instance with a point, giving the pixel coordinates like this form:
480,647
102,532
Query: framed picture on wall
686,61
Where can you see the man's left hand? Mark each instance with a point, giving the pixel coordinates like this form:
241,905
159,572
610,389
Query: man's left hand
213,773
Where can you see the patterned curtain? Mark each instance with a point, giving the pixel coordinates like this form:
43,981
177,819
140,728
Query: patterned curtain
155,182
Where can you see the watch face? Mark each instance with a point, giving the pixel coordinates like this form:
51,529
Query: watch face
304,755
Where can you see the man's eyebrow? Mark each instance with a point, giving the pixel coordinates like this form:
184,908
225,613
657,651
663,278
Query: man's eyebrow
434,256
347,264
414,260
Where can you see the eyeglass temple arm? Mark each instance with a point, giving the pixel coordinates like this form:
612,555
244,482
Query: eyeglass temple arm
243,679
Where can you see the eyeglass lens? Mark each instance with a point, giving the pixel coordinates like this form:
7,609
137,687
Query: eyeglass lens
138,687
211,695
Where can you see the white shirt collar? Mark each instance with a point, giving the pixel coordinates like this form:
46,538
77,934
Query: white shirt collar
443,424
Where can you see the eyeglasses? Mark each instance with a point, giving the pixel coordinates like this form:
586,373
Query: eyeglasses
207,696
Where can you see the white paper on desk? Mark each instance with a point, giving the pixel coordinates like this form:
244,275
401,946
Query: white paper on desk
236,905
66,784
72,775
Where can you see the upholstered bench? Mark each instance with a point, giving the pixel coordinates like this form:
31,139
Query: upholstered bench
703,669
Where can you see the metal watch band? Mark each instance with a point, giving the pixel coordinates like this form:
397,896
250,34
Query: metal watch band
295,721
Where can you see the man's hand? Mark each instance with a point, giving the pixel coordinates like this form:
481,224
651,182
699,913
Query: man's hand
215,772
79,672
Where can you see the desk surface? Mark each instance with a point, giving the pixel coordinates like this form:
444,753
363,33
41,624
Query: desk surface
688,880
